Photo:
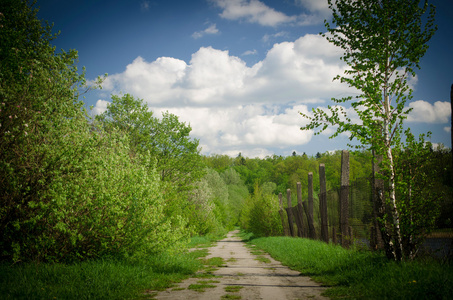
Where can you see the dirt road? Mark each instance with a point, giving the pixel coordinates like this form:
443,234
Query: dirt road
244,277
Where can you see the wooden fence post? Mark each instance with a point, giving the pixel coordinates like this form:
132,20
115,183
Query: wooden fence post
344,199
309,209
289,211
282,215
298,211
323,203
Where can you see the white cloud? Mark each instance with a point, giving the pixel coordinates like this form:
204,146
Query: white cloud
267,37
236,108
212,29
252,11
244,128
154,81
315,6
425,112
100,107
233,107
255,11
250,52
447,129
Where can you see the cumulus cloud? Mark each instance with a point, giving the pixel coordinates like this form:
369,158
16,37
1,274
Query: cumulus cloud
425,112
290,72
154,81
212,29
233,106
100,107
253,11
247,127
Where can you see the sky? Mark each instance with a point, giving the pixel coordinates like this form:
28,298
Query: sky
238,71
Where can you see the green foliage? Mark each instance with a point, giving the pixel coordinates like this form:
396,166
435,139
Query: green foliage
202,216
39,113
178,162
383,42
218,162
260,212
69,190
418,191
167,139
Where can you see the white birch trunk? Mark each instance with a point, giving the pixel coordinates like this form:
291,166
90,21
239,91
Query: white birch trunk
398,247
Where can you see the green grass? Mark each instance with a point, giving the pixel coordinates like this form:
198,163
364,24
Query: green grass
201,287
354,274
100,279
233,288
263,259
214,262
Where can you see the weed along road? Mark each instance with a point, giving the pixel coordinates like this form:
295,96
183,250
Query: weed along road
243,273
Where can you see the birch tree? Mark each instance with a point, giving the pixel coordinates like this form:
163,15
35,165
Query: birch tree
383,42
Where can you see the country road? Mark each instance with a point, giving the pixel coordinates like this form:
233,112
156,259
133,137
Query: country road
244,277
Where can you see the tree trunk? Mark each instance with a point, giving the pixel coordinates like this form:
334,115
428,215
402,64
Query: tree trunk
396,232
383,234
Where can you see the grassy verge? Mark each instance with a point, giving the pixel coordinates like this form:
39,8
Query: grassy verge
354,274
100,279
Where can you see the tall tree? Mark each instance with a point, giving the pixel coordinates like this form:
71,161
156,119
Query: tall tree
168,140
383,41
67,192
32,77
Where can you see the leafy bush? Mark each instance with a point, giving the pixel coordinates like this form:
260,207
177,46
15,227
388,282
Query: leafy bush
260,212
69,189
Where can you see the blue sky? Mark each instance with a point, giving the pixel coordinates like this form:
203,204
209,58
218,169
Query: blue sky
238,71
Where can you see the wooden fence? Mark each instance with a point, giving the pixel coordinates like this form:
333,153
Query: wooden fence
347,214
300,219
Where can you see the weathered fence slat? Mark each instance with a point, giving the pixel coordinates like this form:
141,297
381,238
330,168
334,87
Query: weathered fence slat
289,211
309,209
299,213
344,199
298,220
282,215
323,203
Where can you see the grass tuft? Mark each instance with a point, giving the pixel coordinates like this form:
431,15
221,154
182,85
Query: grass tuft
233,288
201,287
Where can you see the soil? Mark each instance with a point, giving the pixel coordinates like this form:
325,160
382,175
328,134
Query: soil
246,276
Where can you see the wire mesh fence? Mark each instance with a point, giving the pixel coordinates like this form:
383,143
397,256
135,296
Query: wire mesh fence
323,215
